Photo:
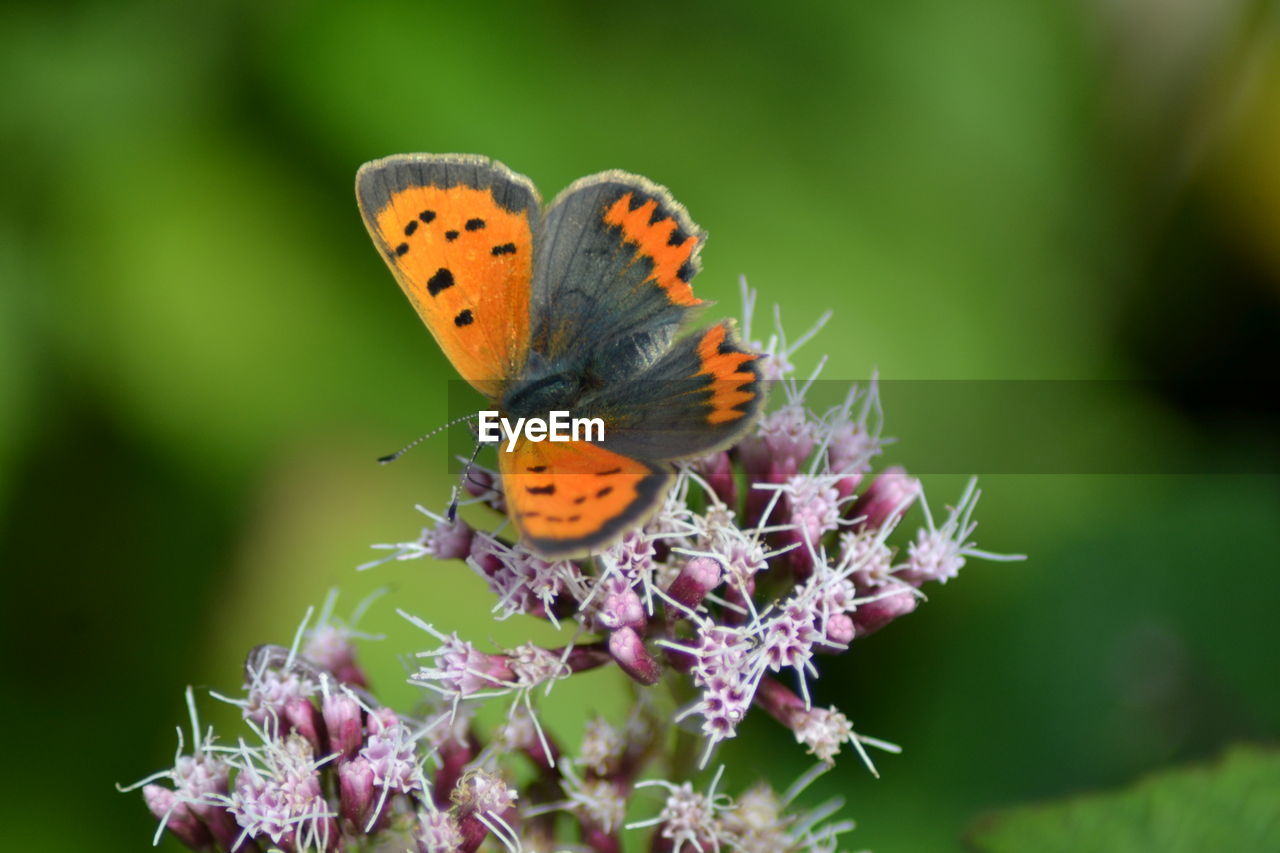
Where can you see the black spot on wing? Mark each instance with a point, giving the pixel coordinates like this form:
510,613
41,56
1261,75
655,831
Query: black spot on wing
504,249
402,248
464,318
451,235
442,280
474,224
411,227
548,489
427,215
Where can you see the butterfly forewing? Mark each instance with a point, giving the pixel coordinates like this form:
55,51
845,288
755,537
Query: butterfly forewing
458,233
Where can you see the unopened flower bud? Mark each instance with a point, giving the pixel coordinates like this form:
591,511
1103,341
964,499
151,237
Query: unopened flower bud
717,470
342,722
484,556
628,650
481,483
783,441
355,790
382,718
886,499
449,540
849,454
481,798
839,628
698,577
178,817
302,716
871,616
331,647
622,609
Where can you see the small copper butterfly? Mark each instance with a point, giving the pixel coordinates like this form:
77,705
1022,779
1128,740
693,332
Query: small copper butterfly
577,308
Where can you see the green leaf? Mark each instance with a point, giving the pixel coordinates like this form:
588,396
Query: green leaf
1233,804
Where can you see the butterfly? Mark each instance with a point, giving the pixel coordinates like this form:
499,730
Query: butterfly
577,307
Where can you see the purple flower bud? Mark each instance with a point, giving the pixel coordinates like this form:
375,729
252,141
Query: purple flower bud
178,817
846,486
355,790
871,616
480,794
438,833
390,751
933,556
482,483
381,719
449,540
717,470
698,577
302,715
779,701
628,650
342,722
584,657
202,781
886,499
330,646
813,509
783,441
621,607
454,758
838,628
849,454
484,556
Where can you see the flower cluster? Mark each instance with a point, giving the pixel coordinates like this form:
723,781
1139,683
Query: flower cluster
763,557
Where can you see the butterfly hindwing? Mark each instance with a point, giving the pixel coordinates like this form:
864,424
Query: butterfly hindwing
700,396
571,498
612,272
458,232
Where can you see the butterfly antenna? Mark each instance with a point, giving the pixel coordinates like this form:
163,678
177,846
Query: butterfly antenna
452,514
392,457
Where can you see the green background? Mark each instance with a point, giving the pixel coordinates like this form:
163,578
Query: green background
201,354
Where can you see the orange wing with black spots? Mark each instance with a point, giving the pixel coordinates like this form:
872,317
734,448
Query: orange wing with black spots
571,498
458,232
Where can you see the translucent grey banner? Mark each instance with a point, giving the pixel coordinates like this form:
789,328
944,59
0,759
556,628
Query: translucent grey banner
1120,427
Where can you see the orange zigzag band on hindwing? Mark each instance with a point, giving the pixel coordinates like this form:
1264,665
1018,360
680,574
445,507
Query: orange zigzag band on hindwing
724,365
653,241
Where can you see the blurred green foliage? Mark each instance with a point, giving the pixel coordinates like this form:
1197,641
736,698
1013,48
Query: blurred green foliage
1230,805
201,355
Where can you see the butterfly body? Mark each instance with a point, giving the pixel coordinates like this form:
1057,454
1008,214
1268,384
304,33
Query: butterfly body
574,308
